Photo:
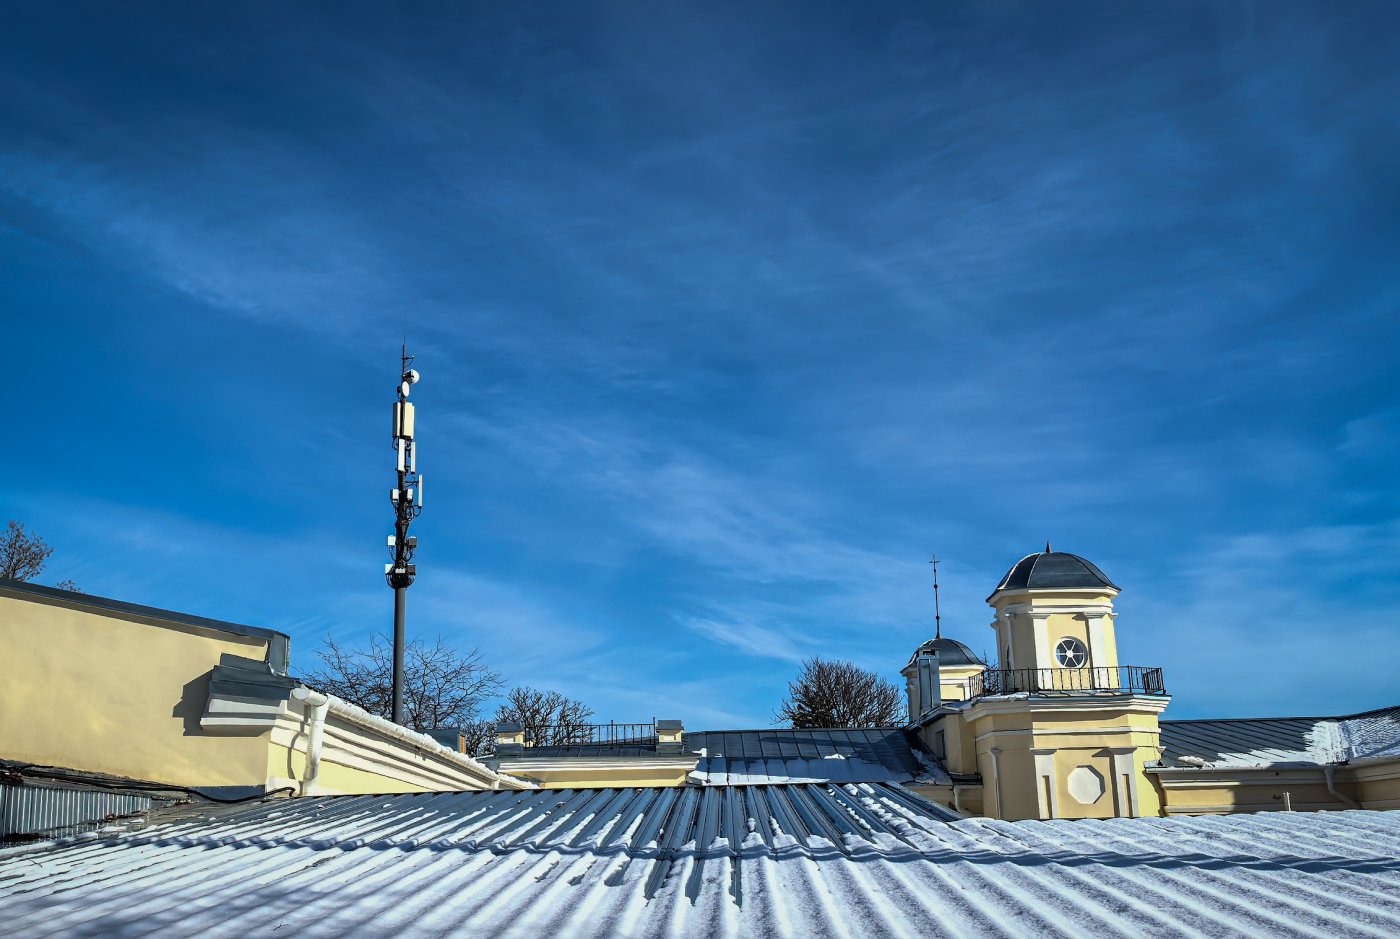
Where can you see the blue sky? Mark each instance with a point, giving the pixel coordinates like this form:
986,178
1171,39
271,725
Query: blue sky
728,315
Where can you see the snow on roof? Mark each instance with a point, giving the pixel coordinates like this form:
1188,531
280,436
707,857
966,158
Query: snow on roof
1269,741
787,755
1373,735
865,859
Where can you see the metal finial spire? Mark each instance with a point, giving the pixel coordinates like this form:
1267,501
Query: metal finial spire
1047,545
937,613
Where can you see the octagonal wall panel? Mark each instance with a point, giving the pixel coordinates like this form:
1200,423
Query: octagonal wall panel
1086,785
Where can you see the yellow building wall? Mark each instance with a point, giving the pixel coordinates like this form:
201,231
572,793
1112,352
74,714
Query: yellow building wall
952,680
1219,791
1375,786
106,694
334,778
1069,740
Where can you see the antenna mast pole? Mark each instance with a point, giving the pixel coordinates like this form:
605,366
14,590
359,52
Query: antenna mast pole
937,613
407,499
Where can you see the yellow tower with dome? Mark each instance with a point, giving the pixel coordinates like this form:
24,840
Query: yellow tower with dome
1059,728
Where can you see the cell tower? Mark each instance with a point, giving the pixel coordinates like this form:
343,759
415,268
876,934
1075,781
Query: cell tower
407,499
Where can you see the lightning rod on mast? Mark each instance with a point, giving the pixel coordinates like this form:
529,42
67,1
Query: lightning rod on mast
937,613
407,499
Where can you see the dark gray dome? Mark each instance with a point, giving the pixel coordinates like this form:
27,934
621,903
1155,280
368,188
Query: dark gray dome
949,651
1053,569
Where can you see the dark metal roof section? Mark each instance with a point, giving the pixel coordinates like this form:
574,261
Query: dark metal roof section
1053,569
1233,741
1261,741
845,754
949,652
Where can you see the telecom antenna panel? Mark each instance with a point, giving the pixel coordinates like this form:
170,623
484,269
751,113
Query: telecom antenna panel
407,500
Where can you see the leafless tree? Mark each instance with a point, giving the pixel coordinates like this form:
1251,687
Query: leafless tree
549,718
828,693
441,687
480,737
23,554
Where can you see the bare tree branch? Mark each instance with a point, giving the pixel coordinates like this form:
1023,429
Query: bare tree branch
480,737
549,718
442,687
828,693
23,555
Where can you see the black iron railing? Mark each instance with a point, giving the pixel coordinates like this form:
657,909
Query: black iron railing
1119,679
592,735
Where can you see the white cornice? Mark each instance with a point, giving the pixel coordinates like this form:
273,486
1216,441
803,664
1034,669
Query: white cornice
531,765
1051,609
1040,732
356,738
1018,704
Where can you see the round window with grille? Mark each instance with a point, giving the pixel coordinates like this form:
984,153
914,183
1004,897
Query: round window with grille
1070,653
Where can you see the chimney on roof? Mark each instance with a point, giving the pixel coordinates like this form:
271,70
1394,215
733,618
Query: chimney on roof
669,736
510,739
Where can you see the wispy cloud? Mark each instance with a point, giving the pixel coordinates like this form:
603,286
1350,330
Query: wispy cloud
748,638
725,324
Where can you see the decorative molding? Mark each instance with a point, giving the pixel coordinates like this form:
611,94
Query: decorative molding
1142,704
1046,794
352,738
1067,592
1098,639
1086,785
995,753
1040,624
1036,734
1125,776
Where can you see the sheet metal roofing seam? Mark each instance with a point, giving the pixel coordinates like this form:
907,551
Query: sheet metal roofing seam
445,863
172,870
1172,904
1240,907
1268,907
1298,887
1039,906
1351,831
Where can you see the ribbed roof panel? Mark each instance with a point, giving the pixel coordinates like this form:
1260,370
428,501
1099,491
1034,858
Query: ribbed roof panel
728,861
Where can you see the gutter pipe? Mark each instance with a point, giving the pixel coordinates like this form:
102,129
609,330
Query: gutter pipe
315,705
1327,772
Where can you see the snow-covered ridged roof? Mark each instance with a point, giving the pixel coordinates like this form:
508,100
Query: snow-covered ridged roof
1373,735
788,755
734,861
1269,741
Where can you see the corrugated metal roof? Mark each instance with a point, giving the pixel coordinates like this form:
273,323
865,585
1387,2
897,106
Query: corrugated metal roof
785,755
1272,740
30,809
735,861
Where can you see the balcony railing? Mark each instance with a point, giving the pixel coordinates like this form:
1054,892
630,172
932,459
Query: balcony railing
1120,679
593,735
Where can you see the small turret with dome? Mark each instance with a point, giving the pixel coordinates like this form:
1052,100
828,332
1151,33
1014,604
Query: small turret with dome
940,668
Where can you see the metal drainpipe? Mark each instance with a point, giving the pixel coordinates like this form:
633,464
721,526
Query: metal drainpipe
315,705
1327,772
